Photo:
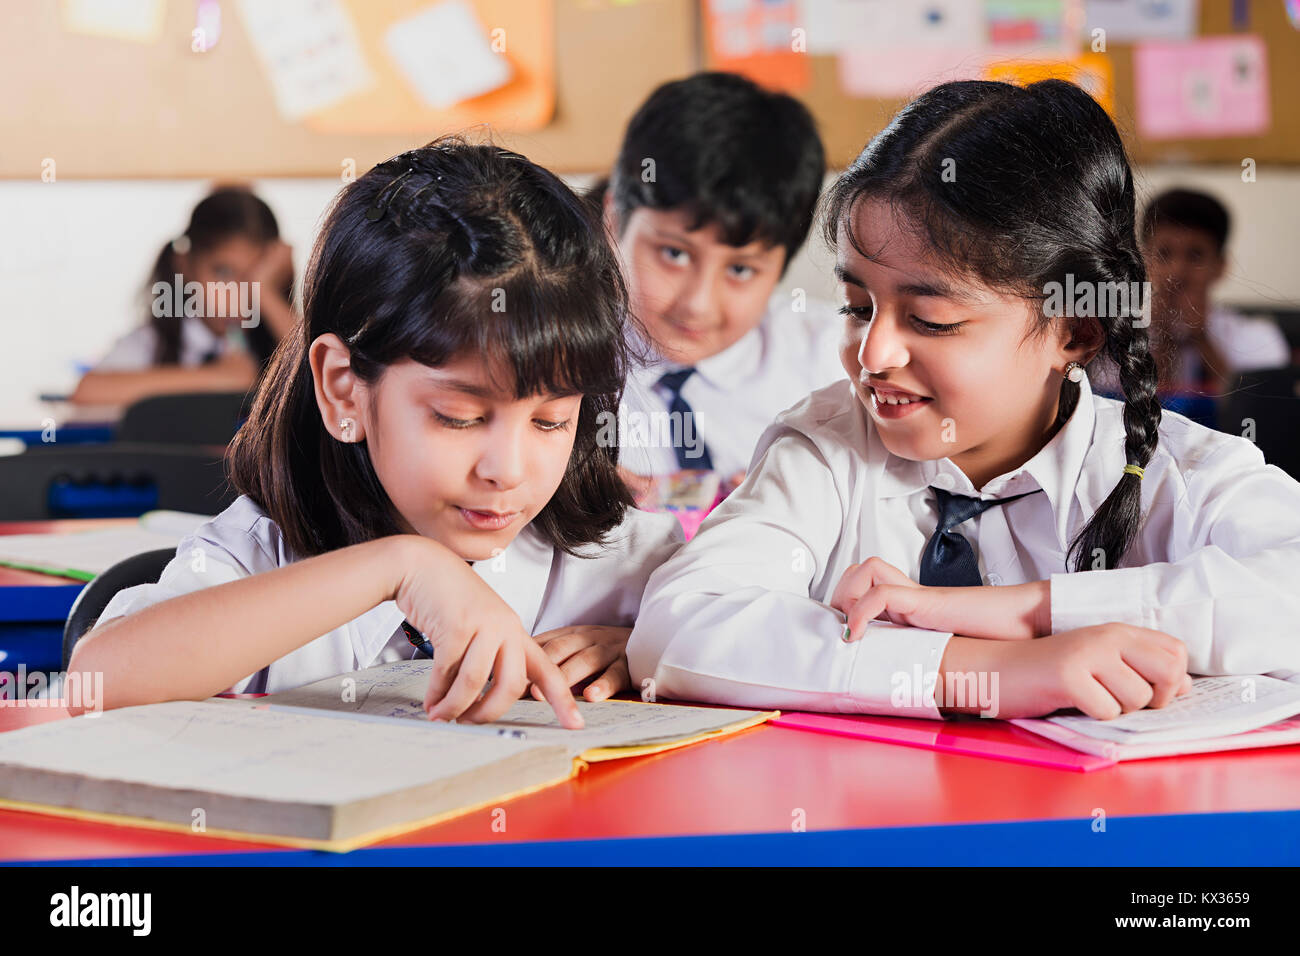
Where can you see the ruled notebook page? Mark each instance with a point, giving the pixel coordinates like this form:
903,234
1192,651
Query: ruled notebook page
1216,706
397,690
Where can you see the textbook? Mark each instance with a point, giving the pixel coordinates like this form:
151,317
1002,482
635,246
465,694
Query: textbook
1219,713
84,554
333,765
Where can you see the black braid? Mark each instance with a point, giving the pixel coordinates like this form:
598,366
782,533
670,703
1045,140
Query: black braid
1107,536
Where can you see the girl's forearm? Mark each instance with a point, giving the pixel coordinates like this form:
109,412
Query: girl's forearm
1009,613
198,644
123,388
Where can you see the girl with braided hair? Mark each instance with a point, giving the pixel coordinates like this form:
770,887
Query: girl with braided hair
964,507
421,472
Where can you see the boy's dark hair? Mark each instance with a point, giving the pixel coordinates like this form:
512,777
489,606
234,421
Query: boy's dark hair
1043,188
1194,210
727,152
228,212
410,262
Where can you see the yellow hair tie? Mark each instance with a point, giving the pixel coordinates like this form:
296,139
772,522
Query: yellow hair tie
1133,470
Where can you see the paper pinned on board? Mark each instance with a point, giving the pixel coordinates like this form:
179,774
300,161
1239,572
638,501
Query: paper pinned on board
310,50
888,48
1128,21
446,55
1091,71
1202,89
1035,26
139,21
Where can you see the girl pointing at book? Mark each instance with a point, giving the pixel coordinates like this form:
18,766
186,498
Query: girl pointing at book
424,451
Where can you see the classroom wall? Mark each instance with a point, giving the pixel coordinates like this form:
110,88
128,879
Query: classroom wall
74,256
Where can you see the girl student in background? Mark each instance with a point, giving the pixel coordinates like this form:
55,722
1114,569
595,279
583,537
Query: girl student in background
423,451
967,451
232,238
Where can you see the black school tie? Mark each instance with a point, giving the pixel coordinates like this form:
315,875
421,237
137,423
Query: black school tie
949,560
673,381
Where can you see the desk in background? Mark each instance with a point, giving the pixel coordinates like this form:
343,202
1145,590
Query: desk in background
73,424
33,606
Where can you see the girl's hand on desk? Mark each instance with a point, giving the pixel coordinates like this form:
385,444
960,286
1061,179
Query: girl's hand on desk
876,590
476,638
1104,670
586,649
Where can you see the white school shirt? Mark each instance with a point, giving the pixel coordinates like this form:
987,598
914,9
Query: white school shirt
544,586
736,393
1246,343
740,615
134,352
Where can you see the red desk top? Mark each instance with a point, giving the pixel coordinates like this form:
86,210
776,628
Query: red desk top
756,781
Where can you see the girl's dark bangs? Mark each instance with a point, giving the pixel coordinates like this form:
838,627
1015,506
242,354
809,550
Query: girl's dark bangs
541,334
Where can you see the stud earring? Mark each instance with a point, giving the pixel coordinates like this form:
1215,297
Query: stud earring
1074,372
346,425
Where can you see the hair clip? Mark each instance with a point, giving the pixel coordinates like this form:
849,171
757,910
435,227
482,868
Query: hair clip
386,196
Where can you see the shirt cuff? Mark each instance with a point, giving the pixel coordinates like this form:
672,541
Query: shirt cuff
1085,598
896,668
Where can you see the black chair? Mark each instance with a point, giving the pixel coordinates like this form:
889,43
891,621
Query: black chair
1270,399
143,568
190,418
112,480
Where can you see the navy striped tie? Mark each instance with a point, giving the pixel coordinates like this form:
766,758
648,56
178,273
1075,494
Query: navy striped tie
673,381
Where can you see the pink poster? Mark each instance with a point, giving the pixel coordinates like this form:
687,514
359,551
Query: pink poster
1213,87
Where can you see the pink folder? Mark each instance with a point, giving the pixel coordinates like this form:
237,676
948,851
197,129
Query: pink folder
985,738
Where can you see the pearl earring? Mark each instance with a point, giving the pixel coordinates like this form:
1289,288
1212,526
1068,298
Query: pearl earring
1074,372
346,425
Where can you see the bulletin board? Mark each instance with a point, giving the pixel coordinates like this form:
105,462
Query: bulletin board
103,107
108,108
847,123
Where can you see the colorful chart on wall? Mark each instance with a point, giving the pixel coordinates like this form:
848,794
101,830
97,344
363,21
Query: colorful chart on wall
426,67
1211,87
1091,71
760,39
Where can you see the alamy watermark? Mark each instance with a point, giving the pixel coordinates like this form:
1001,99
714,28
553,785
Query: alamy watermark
1099,299
226,300
634,429
961,689
83,690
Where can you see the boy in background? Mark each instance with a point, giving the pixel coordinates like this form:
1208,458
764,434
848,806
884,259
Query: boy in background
1199,346
713,194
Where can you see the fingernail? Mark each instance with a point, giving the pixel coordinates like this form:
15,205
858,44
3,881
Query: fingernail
848,632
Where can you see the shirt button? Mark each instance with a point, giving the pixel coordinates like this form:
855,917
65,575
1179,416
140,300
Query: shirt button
995,579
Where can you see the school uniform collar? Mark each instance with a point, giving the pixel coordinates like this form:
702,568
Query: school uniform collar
1057,469
518,575
738,362
197,340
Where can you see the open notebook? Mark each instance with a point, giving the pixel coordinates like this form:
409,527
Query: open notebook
84,554
333,765
1220,713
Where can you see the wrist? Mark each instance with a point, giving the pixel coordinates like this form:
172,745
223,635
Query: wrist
402,554
1037,612
963,656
